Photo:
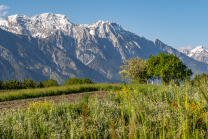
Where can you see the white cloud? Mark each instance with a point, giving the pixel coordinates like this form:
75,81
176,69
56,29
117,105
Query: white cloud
187,47
3,14
3,7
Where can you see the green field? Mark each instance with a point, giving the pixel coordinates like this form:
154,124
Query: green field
132,111
58,90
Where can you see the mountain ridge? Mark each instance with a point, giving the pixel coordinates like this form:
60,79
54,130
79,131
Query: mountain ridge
61,49
198,53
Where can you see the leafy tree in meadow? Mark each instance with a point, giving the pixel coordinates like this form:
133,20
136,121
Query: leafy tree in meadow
87,81
31,83
168,67
71,81
135,70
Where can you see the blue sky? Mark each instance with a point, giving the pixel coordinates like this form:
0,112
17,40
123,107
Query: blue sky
178,23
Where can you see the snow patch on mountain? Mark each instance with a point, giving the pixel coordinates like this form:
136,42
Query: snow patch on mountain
198,53
39,26
92,32
196,50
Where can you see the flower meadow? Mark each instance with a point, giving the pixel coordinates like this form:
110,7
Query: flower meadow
166,112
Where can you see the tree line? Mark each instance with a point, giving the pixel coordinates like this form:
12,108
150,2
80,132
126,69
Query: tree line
30,83
165,67
74,81
198,79
26,84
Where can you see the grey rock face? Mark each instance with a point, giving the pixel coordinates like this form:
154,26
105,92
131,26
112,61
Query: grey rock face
25,57
185,51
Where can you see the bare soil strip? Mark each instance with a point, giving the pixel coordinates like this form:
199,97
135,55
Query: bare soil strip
74,97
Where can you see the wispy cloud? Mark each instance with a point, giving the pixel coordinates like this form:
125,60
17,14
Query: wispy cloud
3,14
187,47
2,8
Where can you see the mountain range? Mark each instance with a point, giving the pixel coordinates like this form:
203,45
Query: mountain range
50,46
199,53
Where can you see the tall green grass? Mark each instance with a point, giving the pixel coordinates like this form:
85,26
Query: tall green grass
59,90
140,112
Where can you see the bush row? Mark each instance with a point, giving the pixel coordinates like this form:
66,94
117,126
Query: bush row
25,84
28,84
73,81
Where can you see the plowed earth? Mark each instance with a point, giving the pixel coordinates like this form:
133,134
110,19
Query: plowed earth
74,97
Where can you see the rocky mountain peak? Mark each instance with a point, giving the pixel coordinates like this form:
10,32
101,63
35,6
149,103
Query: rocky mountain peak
16,18
185,51
199,53
102,23
51,18
41,25
157,41
197,50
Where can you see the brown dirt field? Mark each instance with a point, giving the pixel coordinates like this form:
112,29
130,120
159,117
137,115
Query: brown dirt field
74,97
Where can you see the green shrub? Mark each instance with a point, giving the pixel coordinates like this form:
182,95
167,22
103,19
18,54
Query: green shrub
73,81
49,83
40,84
31,83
